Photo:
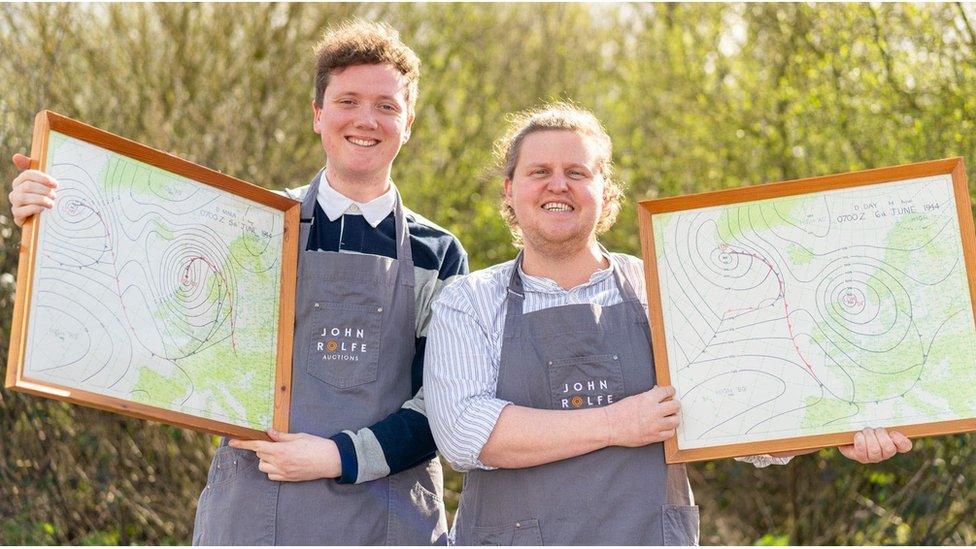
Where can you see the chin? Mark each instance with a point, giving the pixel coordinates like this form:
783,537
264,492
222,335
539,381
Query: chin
556,244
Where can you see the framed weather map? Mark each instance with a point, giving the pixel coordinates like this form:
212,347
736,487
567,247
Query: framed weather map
790,315
154,287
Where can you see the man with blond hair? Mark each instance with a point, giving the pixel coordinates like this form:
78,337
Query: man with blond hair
359,466
540,377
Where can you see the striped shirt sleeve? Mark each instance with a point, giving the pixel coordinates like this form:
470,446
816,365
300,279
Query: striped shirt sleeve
461,377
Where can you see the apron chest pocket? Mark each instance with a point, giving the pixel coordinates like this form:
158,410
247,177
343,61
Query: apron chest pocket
524,532
585,382
344,344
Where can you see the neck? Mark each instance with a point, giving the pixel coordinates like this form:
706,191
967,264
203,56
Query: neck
568,269
360,189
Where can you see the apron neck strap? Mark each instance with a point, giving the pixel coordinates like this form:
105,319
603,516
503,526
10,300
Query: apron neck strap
404,252
626,289
402,234
308,203
516,298
516,291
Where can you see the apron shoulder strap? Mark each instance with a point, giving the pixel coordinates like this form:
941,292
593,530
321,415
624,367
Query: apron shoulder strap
515,295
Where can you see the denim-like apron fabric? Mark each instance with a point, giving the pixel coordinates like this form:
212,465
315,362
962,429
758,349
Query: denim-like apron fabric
565,358
354,346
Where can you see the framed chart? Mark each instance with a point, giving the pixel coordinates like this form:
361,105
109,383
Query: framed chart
155,287
790,315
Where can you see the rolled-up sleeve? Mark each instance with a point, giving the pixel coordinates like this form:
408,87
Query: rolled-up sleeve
460,379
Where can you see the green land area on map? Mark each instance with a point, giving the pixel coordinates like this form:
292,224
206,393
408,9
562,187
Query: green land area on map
210,327
881,303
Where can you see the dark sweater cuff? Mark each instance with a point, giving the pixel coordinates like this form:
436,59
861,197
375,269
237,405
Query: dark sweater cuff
347,456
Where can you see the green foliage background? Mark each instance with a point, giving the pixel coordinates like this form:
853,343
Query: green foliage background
696,97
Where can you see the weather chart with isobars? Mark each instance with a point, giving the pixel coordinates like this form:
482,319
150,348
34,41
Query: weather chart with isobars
140,290
817,313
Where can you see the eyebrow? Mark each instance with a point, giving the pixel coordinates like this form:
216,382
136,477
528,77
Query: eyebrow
357,94
549,164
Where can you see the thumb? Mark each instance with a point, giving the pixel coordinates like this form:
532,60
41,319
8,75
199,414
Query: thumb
22,162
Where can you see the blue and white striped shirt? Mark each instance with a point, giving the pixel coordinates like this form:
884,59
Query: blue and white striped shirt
464,344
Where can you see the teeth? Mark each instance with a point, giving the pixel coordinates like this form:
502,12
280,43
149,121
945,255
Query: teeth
362,142
557,207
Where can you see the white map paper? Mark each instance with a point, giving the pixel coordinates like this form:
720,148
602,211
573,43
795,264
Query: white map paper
818,313
154,288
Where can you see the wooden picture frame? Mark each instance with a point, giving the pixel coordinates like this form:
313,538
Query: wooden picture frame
200,277
726,254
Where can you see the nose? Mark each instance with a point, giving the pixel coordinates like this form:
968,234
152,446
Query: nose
557,183
366,119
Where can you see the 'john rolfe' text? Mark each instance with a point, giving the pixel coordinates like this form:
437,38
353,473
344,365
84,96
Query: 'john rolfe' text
344,344
576,396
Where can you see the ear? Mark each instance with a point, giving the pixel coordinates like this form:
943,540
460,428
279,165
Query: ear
406,131
316,116
508,191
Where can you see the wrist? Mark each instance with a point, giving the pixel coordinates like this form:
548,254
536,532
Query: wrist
608,429
332,462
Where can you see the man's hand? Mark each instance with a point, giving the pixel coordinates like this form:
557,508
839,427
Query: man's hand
32,191
870,446
295,457
644,418
875,445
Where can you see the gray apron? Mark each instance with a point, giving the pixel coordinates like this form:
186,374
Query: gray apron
564,358
354,345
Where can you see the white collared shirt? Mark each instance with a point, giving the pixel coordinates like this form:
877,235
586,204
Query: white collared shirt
336,204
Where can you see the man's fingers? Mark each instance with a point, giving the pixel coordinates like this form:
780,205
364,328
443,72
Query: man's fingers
670,407
860,447
849,452
32,187
902,443
670,422
24,199
660,394
667,434
22,162
888,447
872,445
269,468
278,436
21,213
253,445
857,451
35,176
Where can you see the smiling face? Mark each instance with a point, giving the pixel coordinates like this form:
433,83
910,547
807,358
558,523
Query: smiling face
363,119
556,191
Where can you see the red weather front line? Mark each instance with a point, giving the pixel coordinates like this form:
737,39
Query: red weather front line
782,294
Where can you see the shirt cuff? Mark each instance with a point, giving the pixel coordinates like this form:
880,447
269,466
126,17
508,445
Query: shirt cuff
347,457
764,460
